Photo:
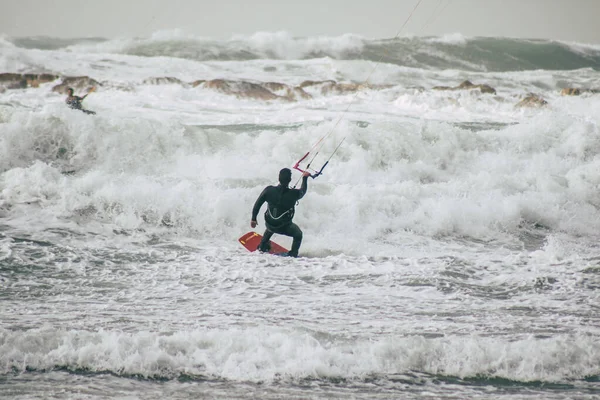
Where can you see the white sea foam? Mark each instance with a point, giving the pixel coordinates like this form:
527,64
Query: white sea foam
451,234
452,38
467,183
266,354
278,45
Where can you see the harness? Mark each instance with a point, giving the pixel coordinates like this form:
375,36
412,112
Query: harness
272,214
291,211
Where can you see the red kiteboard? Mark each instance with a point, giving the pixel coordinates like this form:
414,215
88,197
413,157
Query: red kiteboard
251,240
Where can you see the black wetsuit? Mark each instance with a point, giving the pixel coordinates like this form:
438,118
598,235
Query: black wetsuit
281,202
75,103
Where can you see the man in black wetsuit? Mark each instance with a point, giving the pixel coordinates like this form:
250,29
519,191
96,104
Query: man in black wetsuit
75,101
281,201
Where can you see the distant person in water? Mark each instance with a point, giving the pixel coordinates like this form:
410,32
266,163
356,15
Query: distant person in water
75,101
281,201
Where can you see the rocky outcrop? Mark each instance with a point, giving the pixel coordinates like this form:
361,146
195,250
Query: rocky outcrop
241,89
79,83
276,90
9,77
164,80
259,91
23,81
570,92
333,87
198,82
313,83
532,100
289,92
341,88
468,85
577,91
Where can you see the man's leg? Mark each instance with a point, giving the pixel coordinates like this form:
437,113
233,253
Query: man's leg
294,231
265,242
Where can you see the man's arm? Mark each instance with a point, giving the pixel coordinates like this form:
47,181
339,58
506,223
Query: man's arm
93,89
304,187
258,204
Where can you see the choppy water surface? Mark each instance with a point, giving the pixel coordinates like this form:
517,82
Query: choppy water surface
450,248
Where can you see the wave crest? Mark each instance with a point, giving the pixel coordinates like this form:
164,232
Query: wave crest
451,51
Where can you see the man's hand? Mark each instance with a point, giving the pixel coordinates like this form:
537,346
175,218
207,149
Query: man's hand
253,223
306,173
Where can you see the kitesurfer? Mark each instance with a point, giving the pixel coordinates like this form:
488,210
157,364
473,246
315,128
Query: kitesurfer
74,102
281,201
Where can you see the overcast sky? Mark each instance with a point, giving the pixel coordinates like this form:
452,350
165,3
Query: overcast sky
569,20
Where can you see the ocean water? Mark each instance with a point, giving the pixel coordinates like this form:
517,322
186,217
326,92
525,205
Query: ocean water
451,246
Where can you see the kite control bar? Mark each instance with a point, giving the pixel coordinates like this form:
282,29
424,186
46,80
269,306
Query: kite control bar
314,175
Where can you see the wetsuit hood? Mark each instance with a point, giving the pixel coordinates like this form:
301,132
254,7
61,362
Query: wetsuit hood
285,177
